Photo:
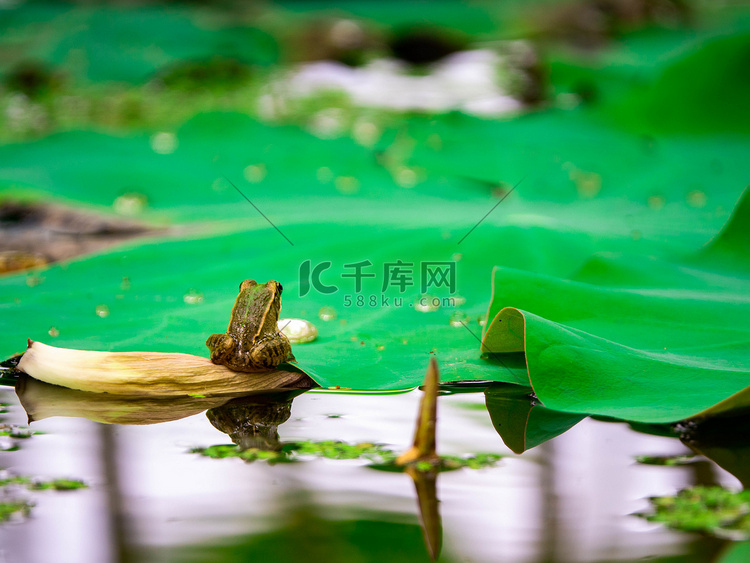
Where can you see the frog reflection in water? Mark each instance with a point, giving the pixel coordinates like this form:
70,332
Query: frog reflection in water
252,422
253,341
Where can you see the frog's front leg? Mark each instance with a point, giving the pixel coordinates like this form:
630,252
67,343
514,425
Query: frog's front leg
222,347
268,353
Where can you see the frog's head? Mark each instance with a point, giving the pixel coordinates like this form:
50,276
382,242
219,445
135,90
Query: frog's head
271,290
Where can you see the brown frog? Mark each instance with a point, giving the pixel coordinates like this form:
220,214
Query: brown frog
253,341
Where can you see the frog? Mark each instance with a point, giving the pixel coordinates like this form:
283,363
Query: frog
253,341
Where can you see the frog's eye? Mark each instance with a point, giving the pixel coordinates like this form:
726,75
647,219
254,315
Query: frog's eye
281,288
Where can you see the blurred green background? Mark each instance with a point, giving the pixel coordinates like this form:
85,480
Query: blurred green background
387,131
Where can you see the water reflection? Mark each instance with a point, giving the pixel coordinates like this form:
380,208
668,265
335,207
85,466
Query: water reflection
565,499
308,534
723,439
521,421
42,400
425,484
253,422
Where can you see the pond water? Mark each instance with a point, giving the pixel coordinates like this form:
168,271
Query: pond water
151,499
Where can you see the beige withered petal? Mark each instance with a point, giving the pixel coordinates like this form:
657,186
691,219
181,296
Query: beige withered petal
146,373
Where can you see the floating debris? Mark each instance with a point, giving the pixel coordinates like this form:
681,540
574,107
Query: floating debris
164,142
324,175
459,318
697,198
327,313
255,173
710,510
656,202
130,204
347,185
427,303
298,331
33,280
667,460
193,297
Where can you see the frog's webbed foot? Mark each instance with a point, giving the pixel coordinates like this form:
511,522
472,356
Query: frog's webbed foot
269,353
222,347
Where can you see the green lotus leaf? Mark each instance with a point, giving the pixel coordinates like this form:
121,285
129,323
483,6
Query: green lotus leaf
671,344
